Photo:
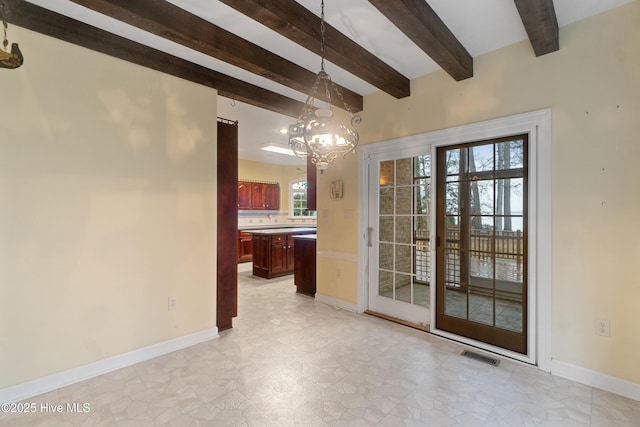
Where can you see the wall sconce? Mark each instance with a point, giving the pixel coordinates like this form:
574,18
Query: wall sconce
336,190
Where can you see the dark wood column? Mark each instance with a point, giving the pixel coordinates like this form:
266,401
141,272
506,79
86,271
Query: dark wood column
227,280
312,184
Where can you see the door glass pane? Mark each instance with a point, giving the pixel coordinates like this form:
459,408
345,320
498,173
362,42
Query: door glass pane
422,196
404,200
403,288
481,307
481,158
385,284
386,256
453,162
452,196
387,173
455,302
482,197
387,200
403,258
510,155
404,229
404,172
509,314
421,227
386,229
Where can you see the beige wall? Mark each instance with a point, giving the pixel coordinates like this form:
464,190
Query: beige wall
592,86
337,242
107,208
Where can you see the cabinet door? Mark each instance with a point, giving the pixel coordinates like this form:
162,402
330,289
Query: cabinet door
261,246
272,196
279,255
244,195
258,195
245,246
290,257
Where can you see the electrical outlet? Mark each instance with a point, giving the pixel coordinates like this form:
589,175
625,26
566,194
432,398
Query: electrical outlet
603,328
173,303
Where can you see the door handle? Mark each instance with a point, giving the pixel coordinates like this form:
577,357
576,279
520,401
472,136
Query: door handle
369,231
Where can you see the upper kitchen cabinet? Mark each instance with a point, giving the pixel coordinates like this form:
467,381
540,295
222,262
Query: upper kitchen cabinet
272,196
244,195
258,195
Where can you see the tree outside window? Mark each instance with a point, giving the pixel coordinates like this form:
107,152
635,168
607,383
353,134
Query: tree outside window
298,200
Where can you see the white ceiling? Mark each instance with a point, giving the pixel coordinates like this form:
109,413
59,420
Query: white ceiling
480,25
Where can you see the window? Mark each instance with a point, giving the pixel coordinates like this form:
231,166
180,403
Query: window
298,200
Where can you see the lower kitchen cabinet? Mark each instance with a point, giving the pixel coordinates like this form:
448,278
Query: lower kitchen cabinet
304,271
273,252
245,246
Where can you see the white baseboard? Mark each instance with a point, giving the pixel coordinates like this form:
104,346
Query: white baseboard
595,379
52,382
336,303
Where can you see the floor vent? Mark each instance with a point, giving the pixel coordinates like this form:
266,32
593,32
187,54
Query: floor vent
481,358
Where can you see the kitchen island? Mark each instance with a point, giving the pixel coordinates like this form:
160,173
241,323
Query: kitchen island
273,253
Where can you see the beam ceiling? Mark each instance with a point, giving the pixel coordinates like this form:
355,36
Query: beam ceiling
35,18
540,22
421,24
166,20
292,20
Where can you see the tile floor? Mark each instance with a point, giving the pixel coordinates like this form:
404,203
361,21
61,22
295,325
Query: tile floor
291,361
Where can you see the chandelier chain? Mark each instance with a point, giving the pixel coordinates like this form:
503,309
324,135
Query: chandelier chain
322,35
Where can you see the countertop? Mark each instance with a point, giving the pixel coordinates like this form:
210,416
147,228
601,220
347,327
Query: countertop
283,230
306,237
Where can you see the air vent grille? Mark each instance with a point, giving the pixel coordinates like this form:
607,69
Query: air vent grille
486,359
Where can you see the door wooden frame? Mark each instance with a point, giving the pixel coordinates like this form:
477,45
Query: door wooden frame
484,333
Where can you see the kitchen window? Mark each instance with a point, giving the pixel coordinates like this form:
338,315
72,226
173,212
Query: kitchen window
298,200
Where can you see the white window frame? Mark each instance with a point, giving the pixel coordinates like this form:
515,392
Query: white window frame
537,124
291,193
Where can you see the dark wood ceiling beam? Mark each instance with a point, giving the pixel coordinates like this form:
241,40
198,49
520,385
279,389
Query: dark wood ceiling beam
295,22
421,24
540,22
178,25
44,21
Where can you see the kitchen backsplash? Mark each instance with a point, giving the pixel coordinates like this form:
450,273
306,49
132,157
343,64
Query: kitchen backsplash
280,218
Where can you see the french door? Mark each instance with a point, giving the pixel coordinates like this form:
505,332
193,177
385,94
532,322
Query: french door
481,243
399,236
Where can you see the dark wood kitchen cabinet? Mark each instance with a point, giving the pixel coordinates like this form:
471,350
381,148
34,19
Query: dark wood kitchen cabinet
281,254
245,246
272,196
273,251
258,195
261,246
244,195
304,271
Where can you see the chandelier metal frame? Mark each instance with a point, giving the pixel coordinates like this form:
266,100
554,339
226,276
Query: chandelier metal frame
317,134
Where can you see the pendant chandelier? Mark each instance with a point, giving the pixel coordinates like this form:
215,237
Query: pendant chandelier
317,134
8,59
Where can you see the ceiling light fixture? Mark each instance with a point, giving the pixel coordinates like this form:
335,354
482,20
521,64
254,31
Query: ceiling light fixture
277,148
317,133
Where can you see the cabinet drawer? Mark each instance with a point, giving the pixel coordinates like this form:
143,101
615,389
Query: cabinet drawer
278,238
